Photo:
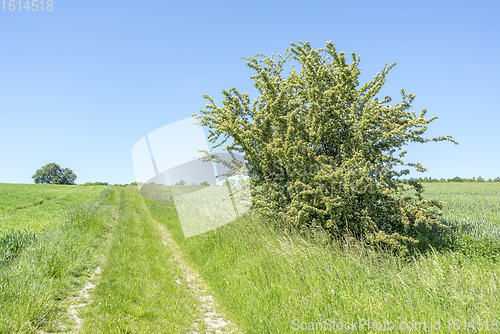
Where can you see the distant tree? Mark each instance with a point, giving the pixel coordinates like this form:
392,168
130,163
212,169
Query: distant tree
205,184
53,174
181,183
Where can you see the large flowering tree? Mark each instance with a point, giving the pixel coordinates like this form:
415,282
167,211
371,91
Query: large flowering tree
321,150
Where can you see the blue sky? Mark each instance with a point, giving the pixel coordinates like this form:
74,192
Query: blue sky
81,84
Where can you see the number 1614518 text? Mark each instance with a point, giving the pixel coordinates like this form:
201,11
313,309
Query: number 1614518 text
27,5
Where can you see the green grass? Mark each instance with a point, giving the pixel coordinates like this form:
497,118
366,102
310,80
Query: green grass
267,277
21,196
12,244
36,283
475,207
137,292
263,277
473,212
33,207
40,271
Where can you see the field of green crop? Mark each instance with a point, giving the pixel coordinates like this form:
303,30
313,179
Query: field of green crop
34,206
264,279
472,206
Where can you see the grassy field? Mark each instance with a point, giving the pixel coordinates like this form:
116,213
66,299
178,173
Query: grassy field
111,241
35,206
475,207
137,292
21,196
39,273
274,281
264,279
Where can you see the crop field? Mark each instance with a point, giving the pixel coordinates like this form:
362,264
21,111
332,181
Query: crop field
474,206
31,207
104,259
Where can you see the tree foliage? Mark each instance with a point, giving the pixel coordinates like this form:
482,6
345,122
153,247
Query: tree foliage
181,183
53,174
321,149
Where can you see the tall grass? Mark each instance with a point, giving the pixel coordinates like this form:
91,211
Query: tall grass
267,277
42,209
13,243
34,286
21,196
138,292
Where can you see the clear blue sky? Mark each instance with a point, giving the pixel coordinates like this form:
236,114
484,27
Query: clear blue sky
81,84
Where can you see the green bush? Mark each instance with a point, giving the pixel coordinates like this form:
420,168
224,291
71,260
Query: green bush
320,150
